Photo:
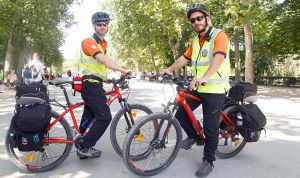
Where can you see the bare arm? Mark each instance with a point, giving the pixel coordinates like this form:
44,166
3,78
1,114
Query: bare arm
109,63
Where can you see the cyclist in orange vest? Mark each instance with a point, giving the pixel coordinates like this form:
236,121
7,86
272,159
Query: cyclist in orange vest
94,64
209,55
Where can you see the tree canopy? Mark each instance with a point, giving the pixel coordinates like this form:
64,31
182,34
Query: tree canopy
150,35
33,25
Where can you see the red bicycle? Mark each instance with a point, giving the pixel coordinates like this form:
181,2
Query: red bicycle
59,136
147,153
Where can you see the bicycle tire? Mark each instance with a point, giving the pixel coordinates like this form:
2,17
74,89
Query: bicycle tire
115,140
137,128
238,144
29,166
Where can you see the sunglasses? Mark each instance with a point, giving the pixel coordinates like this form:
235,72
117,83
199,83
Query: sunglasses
101,24
198,18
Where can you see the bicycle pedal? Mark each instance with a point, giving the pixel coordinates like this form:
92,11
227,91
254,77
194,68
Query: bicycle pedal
78,142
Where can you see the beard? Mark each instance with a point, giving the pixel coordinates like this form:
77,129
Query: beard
199,28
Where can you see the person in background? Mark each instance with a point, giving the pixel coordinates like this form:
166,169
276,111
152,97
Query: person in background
9,79
26,75
36,69
69,73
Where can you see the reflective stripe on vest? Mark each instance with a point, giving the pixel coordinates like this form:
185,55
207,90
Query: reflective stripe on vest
92,66
201,59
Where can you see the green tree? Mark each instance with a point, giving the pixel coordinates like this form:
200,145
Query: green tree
155,32
33,25
283,37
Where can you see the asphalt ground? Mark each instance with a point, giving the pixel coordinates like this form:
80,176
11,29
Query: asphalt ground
276,155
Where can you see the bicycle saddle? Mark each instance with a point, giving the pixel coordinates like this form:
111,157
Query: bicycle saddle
251,99
26,100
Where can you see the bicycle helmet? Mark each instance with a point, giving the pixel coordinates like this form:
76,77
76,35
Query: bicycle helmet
100,17
197,7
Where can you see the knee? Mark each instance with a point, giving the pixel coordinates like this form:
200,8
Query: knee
104,117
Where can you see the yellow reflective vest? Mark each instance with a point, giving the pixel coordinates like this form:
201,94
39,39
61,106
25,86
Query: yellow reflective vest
92,66
201,58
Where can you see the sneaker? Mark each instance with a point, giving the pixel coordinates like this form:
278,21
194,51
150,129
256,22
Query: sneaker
189,142
88,153
205,169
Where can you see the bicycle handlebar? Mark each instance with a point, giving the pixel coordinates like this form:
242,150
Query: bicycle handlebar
176,80
182,85
121,81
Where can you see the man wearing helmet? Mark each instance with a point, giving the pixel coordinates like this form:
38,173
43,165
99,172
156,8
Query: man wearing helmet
94,64
209,55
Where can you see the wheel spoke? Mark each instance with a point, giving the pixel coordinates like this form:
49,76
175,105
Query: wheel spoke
148,156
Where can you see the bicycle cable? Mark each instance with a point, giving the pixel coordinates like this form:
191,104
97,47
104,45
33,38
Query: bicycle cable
164,92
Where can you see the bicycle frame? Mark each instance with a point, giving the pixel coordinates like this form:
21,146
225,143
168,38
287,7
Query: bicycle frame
180,99
69,108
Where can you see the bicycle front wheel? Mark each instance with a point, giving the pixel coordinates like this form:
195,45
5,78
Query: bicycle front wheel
147,153
49,156
121,124
230,141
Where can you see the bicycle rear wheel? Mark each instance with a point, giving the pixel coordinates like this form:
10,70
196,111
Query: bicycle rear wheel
230,141
147,155
120,126
49,156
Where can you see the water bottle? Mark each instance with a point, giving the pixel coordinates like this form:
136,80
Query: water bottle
239,121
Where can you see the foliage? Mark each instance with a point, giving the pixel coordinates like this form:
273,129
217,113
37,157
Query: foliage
38,22
146,29
149,35
284,24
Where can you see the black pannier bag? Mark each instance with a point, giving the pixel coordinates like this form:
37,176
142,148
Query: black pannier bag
28,126
33,117
241,90
32,90
31,141
253,122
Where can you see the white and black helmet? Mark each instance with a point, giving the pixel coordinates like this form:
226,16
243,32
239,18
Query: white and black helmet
197,7
100,17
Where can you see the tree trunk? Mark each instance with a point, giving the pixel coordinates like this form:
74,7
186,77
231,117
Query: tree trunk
249,61
174,48
136,65
23,58
8,56
237,56
153,61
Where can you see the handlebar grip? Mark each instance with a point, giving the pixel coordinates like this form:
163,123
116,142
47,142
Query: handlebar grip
167,76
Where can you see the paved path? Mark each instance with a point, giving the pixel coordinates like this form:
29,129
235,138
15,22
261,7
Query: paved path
276,156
